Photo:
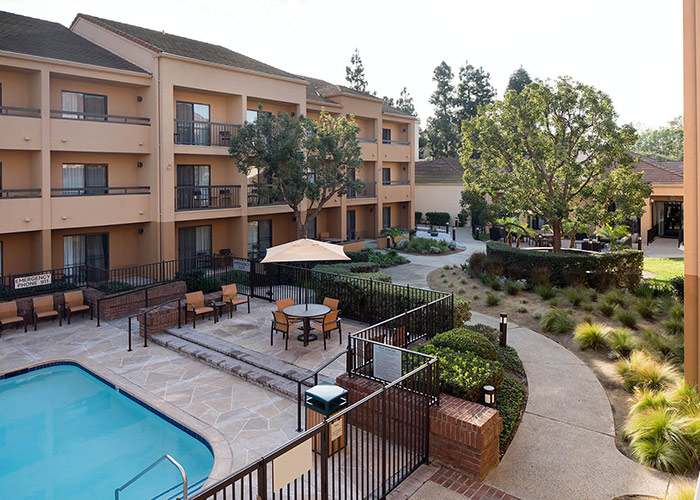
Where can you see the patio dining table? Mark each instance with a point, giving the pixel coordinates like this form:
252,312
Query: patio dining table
306,312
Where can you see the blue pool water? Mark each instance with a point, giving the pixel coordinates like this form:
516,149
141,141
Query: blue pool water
65,434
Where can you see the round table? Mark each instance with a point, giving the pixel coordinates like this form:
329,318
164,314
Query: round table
306,312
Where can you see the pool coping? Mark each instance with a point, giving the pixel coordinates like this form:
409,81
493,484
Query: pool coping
213,438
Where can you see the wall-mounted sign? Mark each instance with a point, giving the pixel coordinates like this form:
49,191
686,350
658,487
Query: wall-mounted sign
292,464
241,265
387,363
34,280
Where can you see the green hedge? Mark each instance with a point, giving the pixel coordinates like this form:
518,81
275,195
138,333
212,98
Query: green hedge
437,218
509,397
463,374
466,340
623,268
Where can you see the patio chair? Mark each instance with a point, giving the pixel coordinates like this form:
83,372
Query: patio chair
75,302
282,324
284,303
229,295
43,308
332,304
9,316
330,322
195,305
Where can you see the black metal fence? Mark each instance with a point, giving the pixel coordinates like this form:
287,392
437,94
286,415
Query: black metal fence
15,286
255,198
207,197
361,452
204,133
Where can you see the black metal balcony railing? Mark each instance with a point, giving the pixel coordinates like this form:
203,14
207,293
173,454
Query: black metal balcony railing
15,111
20,193
366,139
369,191
396,183
207,197
100,191
99,117
396,143
199,133
255,199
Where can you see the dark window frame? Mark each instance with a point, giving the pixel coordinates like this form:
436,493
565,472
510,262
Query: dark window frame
194,229
105,245
83,117
386,136
87,190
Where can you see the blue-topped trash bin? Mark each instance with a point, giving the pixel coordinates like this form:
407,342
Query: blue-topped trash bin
322,402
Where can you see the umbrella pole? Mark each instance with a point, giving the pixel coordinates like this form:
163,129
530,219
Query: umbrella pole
306,285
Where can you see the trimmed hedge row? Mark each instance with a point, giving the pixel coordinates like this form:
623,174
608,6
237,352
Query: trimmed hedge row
466,340
438,218
623,268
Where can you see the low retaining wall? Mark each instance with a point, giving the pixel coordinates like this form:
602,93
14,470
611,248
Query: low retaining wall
166,317
463,435
131,303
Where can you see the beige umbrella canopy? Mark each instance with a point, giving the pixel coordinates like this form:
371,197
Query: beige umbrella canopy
305,250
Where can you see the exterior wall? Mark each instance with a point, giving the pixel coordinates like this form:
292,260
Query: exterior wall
15,257
691,133
17,169
661,192
126,246
439,198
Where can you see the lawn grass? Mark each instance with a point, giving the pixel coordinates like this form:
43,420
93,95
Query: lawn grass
664,268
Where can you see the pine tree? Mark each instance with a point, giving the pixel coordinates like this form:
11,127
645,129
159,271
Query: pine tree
474,90
441,134
355,73
518,80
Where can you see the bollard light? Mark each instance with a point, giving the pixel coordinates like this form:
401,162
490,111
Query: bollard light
489,395
504,330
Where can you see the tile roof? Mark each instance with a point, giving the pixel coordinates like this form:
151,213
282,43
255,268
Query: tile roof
36,37
159,41
312,90
659,172
439,171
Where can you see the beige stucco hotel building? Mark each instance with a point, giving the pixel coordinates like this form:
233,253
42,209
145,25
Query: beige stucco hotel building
113,148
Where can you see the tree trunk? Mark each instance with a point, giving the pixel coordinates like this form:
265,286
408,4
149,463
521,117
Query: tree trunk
302,228
556,236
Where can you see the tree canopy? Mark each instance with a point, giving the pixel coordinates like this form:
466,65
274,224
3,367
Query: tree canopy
404,102
665,143
304,162
355,73
518,80
442,134
555,150
474,90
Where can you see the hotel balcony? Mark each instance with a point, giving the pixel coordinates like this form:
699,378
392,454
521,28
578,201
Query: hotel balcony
369,192
99,206
78,131
19,128
21,209
203,133
254,199
189,198
368,147
399,151
396,190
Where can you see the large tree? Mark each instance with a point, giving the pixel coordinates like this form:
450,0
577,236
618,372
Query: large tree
555,150
474,90
442,133
518,80
304,162
355,73
404,102
665,143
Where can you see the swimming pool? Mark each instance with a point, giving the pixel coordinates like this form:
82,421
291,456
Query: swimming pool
67,434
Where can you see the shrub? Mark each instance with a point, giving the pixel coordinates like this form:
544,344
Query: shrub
509,359
426,245
623,267
587,306
493,266
670,347
419,217
627,318
476,296
557,321
522,309
196,280
492,299
116,287
496,285
606,309
546,292
674,326
591,335
537,315
464,375
616,298
466,340
682,490
437,218
384,277
553,302
509,398
677,284
646,307
462,311
587,318
476,263
575,295
460,290
513,287
622,341
539,276
645,371
490,332
650,290
445,280
463,280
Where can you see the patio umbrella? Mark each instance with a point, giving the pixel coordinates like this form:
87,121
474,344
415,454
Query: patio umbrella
305,250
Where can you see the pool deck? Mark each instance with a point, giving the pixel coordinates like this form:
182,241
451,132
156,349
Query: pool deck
241,421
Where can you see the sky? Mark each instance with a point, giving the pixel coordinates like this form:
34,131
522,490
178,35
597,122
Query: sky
630,49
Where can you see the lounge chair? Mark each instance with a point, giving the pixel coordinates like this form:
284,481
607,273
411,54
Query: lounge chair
75,302
330,322
281,323
43,308
9,316
229,295
195,305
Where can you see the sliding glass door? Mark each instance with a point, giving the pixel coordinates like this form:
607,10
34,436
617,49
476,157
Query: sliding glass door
259,238
86,249
193,123
84,179
193,183
194,242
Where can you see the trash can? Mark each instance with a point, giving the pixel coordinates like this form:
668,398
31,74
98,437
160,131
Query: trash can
322,402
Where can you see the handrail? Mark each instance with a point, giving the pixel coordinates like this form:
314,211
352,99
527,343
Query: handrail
99,191
128,292
99,117
145,319
315,376
148,469
15,111
397,143
366,139
20,193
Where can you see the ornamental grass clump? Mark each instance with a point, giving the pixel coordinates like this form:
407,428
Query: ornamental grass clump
616,297
492,299
606,309
557,321
575,295
513,287
645,371
627,318
675,323
591,335
466,340
545,292
622,342
682,490
646,307
668,346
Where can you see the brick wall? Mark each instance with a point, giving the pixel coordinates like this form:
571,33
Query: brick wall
125,305
463,435
166,317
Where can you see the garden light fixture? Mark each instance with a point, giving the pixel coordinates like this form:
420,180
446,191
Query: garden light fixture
489,395
504,330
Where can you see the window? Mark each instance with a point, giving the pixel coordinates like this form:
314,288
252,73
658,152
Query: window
386,176
251,115
386,217
84,106
311,229
386,135
86,249
84,179
259,238
350,218
192,123
193,183
194,242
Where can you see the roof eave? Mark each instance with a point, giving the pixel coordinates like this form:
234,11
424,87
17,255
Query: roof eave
31,57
